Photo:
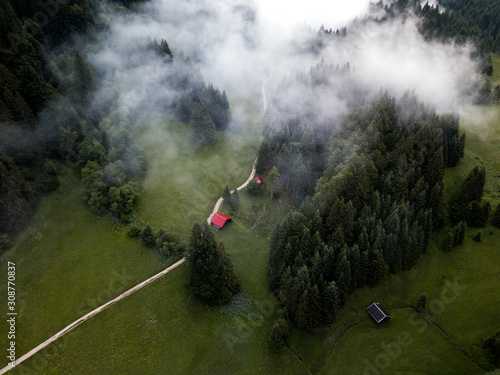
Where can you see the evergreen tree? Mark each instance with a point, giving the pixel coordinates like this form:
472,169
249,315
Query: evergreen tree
147,237
447,243
234,200
496,217
459,233
85,79
16,197
227,194
422,303
210,271
273,177
201,123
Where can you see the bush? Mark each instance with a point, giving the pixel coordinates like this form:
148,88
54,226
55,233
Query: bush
496,217
254,188
278,335
147,237
447,243
134,231
422,303
478,236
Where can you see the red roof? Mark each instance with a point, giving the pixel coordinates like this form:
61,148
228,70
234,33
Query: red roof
259,180
220,219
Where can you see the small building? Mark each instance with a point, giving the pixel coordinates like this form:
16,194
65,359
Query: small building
259,180
219,220
377,312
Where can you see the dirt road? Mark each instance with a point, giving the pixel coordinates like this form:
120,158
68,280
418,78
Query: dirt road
90,315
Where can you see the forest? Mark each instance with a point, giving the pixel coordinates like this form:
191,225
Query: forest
368,186
49,116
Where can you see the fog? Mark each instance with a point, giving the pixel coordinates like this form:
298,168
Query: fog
237,45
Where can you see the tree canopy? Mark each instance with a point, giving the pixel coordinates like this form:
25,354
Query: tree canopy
210,271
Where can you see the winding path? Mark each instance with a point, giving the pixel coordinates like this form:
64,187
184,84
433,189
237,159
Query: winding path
252,174
138,286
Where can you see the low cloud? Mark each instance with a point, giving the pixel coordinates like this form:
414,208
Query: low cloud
237,45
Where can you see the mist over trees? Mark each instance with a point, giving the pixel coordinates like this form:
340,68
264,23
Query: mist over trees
472,22
57,108
368,184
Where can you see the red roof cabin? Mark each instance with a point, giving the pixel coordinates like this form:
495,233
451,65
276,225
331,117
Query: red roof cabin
259,180
377,312
219,220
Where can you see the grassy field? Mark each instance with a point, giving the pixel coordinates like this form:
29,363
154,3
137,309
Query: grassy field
63,271
69,260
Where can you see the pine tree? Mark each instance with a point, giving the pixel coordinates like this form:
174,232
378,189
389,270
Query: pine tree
227,193
234,201
210,271
147,237
331,303
447,243
201,123
496,217
85,79
459,233
274,179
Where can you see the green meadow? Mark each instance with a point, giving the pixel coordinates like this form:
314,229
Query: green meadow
69,261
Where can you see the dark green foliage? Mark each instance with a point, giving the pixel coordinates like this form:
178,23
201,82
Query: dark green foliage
85,79
373,210
165,243
234,201
273,178
455,236
472,188
147,237
227,194
47,180
254,188
447,243
478,237
467,203
422,303
210,271
134,231
459,233
492,345
496,217
278,335
201,123
108,191
216,102
16,197
72,17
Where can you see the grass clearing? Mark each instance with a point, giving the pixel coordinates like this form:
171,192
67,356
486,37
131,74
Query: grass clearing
63,272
